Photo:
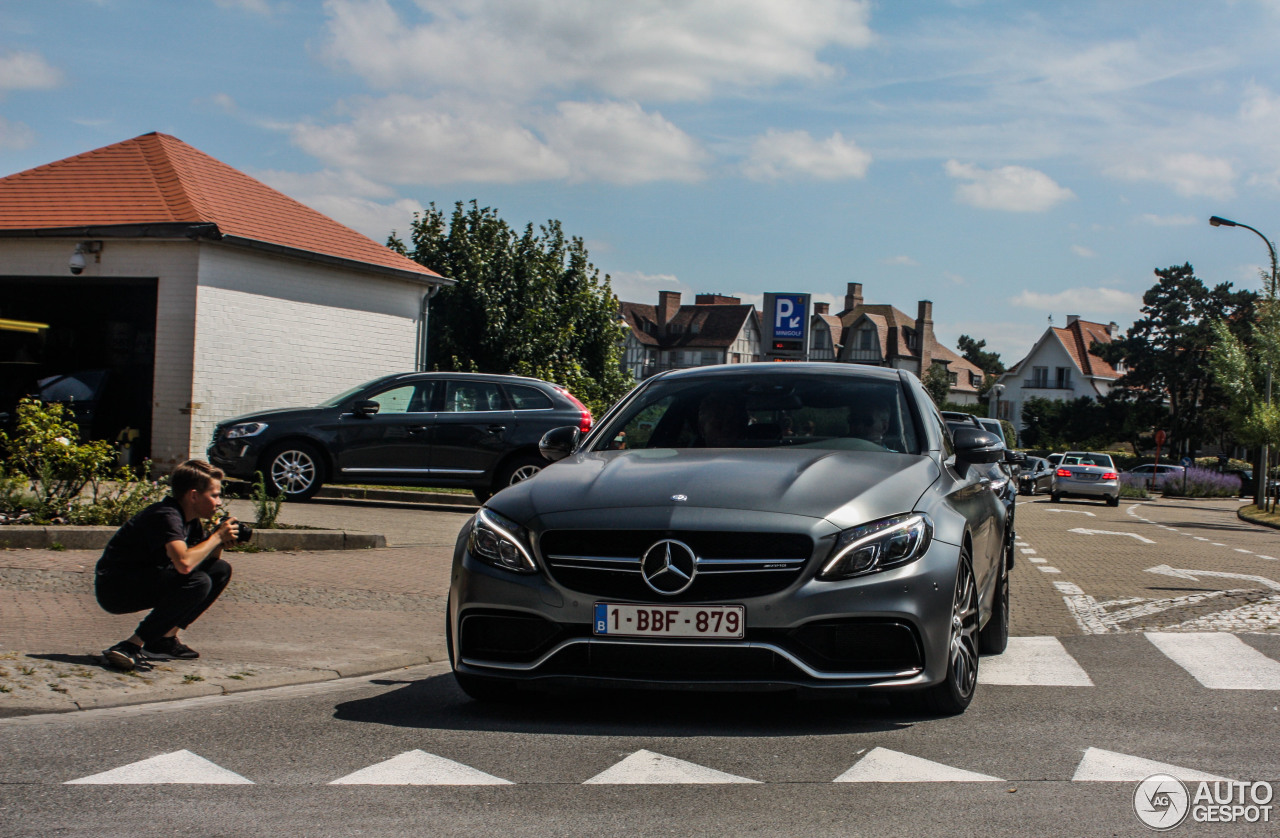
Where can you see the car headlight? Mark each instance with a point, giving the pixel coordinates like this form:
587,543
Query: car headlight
500,542
879,545
245,429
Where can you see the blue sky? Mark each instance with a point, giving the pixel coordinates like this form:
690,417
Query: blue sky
1009,161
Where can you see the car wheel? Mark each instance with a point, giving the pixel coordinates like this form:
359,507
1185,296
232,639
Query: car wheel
477,687
953,695
517,471
1113,501
1055,497
294,470
994,637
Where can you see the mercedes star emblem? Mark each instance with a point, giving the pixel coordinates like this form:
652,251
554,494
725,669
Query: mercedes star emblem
669,566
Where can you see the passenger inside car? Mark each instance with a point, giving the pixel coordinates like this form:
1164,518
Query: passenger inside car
722,420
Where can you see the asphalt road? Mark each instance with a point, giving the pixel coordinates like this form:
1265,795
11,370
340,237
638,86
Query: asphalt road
1117,671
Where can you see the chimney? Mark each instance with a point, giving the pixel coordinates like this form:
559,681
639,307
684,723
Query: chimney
821,308
853,297
1071,318
1113,330
668,306
924,334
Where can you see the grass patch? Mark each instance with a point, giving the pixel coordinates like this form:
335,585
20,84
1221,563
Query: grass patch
191,679
1253,513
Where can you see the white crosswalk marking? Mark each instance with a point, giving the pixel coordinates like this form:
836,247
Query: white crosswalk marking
882,765
419,768
1033,661
1218,660
177,767
647,767
1111,767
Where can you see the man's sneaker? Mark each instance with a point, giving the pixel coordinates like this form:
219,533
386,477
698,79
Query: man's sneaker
168,648
126,656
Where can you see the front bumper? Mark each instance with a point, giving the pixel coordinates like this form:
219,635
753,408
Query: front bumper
236,457
886,630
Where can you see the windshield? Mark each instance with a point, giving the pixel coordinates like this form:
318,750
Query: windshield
337,400
838,412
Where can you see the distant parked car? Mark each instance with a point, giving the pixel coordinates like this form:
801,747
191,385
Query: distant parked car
467,430
1036,476
1054,459
1148,472
1086,474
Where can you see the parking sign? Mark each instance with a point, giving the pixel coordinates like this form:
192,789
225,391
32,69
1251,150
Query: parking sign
786,327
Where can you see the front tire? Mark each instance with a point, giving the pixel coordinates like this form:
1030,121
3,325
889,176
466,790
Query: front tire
295,470
1055,497
952,696
1113,501
994,637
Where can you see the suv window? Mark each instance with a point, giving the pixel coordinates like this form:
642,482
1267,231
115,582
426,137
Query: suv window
407,398
528,398
472,397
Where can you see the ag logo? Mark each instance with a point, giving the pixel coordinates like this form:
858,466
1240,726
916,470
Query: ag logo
1161,802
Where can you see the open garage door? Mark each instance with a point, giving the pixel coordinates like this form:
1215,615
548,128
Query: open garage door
89,344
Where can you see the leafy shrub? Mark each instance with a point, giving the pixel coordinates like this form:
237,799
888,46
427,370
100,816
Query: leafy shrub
114,502
46,449
268,507
1199,483
1133,486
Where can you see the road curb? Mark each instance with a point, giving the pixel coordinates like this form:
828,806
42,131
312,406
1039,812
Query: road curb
1249,519
17,537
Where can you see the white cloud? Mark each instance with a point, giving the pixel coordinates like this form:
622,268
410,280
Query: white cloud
27,71
404,140
1096,302
1009,188
638,287
1168,220
905,261
619,143
15,136
261,7
348,199
1082,251
778,155
646,49
954,279
1190,174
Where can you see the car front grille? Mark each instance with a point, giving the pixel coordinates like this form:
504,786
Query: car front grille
730,565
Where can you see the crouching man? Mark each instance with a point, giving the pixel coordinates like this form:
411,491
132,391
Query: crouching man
162,560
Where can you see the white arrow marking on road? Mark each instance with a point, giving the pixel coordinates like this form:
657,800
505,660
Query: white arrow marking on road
1073,512
1219,661
647,767
419,768
1111,767
177,767
1034,662
1183,573
882,765
1109,532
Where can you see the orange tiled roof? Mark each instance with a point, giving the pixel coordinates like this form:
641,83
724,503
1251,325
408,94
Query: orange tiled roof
1077,337
158,179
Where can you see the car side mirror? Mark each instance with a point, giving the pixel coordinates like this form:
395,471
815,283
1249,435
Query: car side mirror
977,447
366,407
558,443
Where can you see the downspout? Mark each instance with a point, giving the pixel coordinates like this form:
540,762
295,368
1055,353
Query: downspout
423,322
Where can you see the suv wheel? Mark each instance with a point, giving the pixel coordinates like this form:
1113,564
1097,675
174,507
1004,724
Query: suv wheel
293,469
952,696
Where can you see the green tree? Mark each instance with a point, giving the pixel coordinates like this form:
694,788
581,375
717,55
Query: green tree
989,362
1244,373
527,303
937,383
1166,353
1041,423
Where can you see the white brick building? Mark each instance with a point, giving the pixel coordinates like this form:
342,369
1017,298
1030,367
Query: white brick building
204,293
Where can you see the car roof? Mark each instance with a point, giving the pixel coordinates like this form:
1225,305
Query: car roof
469,376
797,368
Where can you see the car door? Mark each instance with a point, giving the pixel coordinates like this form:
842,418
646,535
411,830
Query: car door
473,430
395,442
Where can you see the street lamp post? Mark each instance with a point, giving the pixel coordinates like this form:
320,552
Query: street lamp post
1260,479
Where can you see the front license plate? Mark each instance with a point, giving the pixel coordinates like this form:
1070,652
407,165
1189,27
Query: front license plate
618,620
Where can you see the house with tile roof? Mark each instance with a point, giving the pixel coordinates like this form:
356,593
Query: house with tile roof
885,336
1060,367
191,292
716,329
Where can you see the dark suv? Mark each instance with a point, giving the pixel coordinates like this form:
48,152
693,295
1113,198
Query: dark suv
467,430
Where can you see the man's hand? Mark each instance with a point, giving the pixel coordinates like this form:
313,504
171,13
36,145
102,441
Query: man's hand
228,531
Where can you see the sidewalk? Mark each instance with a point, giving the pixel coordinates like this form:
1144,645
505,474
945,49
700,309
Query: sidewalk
286,618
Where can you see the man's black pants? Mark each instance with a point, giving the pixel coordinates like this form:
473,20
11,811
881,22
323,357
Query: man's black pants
176,599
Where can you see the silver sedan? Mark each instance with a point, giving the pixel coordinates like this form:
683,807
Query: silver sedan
1086,474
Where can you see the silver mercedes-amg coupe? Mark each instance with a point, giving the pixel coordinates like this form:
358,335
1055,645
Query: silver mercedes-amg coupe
758,526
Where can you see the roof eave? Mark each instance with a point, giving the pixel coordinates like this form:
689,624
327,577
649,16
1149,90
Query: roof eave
337,261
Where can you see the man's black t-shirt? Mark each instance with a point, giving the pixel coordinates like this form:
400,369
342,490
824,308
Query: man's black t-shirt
140,543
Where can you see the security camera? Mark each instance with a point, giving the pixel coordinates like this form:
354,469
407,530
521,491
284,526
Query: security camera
77,262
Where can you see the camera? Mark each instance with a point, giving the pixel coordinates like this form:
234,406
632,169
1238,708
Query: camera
244,532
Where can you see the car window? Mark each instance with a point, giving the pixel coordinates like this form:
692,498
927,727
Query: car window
472,397
759,411
407,398
1101,460
528,398
1070,461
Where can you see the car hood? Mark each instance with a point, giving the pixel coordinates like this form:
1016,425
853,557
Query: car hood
281,415
847,488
